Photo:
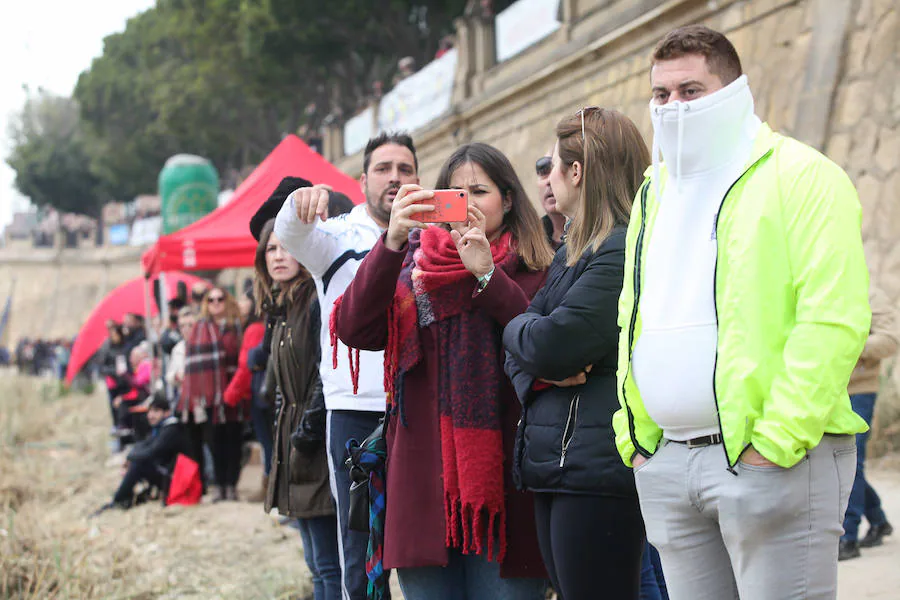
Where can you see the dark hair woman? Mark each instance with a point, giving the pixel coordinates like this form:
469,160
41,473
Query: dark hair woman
562,361
298,482
211,360
436,300
242,394
114,367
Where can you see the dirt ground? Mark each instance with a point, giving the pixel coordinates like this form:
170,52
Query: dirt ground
875,575
56,468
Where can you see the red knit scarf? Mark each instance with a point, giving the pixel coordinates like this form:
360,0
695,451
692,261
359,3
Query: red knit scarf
435,289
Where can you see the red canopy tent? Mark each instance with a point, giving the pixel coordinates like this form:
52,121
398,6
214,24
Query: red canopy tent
130,297
222,239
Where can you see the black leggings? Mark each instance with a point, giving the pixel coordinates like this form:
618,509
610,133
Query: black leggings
198,435
227,445
590,543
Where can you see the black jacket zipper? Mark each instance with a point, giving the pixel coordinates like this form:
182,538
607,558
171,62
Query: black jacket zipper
634,311
728,463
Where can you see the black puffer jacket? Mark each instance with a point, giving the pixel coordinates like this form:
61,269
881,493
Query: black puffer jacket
565,440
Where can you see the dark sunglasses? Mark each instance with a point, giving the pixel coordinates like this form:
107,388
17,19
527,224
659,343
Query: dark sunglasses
543,166
216,299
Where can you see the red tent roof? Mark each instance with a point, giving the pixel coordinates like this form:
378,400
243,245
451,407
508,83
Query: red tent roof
127,298
222,239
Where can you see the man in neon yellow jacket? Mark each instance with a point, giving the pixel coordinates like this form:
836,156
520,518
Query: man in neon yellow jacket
744,310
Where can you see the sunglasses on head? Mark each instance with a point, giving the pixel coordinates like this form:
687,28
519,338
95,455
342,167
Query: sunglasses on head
543,166
583,136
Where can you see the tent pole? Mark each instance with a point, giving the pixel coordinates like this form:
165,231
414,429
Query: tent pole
147,310
164,324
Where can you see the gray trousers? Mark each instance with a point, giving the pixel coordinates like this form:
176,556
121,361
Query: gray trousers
766,533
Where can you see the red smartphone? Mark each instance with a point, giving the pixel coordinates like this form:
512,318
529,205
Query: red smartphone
450,206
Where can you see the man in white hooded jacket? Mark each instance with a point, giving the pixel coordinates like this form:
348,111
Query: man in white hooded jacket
331,249
743,312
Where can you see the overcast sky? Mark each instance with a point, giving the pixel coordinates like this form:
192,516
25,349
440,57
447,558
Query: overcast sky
48,43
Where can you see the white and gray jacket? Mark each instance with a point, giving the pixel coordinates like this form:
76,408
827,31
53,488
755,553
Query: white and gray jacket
332,252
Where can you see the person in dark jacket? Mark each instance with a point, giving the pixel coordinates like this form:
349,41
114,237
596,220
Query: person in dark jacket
114,367
241,392
153,459
562,356
554,222
298,484
436,301
134,330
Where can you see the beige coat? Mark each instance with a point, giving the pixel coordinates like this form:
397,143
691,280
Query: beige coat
884,339
175,368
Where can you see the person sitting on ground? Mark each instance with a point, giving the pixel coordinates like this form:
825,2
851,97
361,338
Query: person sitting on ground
152,460
131,421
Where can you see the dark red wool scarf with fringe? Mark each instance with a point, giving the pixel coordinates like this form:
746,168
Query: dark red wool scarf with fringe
435,288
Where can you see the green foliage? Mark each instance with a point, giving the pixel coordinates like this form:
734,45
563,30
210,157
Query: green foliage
228,79
50,157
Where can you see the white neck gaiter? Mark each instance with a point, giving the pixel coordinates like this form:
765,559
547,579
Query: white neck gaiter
704,134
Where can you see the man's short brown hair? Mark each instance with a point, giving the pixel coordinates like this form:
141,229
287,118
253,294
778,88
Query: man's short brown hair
721,57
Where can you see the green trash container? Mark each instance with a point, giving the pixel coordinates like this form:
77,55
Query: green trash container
189,190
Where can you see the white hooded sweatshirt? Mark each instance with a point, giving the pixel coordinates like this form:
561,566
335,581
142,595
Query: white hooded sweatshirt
705,143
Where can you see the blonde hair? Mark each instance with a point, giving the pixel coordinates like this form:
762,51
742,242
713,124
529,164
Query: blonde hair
613,158
232,314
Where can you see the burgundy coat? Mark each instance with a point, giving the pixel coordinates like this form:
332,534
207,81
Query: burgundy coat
415,521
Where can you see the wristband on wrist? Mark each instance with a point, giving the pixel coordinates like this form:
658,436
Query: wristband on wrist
484,280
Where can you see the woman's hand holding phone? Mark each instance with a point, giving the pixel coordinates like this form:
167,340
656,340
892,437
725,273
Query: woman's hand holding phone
472,243
404,208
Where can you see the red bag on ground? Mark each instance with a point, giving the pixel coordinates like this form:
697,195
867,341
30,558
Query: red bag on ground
186,487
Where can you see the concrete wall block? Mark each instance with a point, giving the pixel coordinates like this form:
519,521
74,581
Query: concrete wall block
853,102
838,149
865,137
887,153
888,223
885,41
857,50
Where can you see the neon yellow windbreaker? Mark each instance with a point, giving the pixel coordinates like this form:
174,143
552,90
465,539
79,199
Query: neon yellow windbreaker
791,302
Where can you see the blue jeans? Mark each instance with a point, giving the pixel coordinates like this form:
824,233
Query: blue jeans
653,585
320,549
262,427
467,577
863,499
341,425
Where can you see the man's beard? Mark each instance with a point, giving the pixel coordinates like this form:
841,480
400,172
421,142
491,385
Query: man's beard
379,209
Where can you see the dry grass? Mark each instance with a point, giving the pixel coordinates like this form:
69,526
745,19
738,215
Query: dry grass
55,469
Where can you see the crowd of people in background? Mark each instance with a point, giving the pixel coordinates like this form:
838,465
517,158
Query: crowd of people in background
593,400
39,357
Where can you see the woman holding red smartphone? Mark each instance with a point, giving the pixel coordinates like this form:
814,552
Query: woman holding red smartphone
436,299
